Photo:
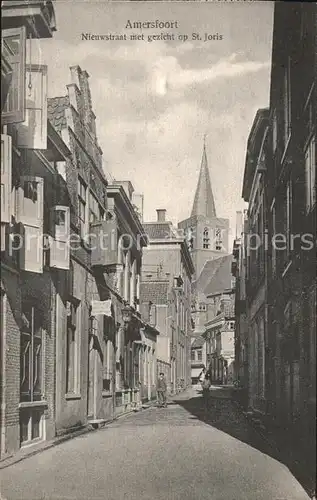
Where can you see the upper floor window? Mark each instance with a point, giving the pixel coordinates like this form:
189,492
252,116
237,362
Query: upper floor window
218,238
30,190
274,131
82,202
202,306
206,238
190,238
199,355
13,49
273,261
310,174
193,355
287,101
96,212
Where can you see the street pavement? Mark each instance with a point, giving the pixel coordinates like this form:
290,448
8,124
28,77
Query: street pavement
177,453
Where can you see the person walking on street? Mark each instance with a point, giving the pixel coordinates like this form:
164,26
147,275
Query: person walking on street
202,376
161,391
206,391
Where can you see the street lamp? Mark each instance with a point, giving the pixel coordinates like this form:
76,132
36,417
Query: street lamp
126,312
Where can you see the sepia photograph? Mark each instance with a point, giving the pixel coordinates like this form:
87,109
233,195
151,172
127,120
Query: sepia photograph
158,250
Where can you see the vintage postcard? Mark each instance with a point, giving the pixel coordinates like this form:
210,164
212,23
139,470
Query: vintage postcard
158,250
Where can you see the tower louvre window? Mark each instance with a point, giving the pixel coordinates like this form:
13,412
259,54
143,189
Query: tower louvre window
218,238
206,238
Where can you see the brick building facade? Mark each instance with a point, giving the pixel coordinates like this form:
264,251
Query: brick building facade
74,347
276,279
167,258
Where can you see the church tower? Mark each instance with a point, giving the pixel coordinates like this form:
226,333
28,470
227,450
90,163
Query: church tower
207,234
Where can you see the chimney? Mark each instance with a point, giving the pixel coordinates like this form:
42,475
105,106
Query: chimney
161,213
239,224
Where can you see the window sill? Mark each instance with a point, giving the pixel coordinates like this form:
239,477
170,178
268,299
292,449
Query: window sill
33,404
71,396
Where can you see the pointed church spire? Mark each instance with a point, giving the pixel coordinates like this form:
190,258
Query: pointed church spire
204,203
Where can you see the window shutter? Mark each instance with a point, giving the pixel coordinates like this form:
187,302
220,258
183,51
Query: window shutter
30,250
6,169
30,201
59,248
13,49
104,244
32,133
152,320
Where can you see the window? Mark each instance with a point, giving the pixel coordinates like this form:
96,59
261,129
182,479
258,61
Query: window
30,190
274,131
59,255
6,182
199,355
218,238
32,133
310,174
190,238
193,355
273,262
202,306
72,354
206,238
288,216
82,205
13,49
31,354
96,213
287,101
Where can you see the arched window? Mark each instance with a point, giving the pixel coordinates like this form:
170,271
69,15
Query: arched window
206,238
218,237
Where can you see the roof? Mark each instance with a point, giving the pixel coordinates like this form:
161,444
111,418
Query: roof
56,111
222,277
154,291
158,230
198,342
204,203
208,272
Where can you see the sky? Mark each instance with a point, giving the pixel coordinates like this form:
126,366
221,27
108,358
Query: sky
155,101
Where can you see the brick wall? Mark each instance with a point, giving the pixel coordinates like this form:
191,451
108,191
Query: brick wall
11,354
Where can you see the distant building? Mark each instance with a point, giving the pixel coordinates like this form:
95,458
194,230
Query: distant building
255,193
206,234
198,358
167,257
241,318
220,323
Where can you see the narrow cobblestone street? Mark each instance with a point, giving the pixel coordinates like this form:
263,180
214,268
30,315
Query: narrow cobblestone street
173,453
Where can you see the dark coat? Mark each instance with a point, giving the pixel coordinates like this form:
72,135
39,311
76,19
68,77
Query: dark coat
161,385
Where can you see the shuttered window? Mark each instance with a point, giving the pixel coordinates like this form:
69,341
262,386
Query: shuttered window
13,49
32,133
6,168
60,246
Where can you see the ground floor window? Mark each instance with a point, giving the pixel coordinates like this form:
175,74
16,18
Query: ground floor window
31,424
31,355
72,350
